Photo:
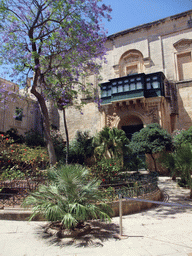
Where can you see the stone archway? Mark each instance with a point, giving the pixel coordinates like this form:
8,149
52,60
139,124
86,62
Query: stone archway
130,124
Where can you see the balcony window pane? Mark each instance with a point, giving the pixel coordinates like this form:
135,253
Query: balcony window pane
132,87
155,78
148,79
126,81
114,89
139,85
139,79
120,82
114,83
104,94
155,85
109,92
126,87
132,80
148,86
120,88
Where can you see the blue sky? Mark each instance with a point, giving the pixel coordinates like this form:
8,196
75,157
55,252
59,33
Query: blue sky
131,13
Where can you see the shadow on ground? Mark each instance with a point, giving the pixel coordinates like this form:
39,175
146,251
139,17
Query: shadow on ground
100,232
173,194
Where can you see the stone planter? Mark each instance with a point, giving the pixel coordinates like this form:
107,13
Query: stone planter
130,207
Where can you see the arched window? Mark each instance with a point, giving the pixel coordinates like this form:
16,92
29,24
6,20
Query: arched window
131,62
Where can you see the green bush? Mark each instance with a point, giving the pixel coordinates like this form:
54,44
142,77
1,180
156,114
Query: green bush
34,138
19,160
69,198
182,136
58,143
106,170
81,148
179,163
13,134
151,140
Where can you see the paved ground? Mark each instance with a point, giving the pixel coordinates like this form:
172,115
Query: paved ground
159,231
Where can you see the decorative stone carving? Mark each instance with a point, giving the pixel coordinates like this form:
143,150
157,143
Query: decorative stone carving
183,44
112,119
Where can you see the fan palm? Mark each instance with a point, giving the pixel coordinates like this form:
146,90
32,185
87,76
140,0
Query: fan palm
69,198
110,143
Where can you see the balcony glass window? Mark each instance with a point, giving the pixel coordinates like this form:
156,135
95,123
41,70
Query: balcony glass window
155,85
139,86
126,87
148,86
132,87
109,92
120,88
114,89
104,93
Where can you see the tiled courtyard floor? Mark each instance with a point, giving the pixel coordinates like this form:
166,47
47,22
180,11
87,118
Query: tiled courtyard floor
164,230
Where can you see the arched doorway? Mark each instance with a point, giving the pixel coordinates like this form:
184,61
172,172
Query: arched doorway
130,125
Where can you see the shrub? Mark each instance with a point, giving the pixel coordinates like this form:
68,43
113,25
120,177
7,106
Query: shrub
13,134
106,169
151,140
180,164
81,148
34,138
58,143
182,136
69,198
18,160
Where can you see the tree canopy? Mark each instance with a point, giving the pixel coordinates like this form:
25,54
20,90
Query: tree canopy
56,42
151,139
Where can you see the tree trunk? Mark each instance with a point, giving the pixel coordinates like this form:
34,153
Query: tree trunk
155,165
190,194
67,136
41,100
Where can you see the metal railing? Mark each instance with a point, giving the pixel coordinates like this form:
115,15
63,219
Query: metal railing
13,192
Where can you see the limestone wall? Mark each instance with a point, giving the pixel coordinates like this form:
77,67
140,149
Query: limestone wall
164,45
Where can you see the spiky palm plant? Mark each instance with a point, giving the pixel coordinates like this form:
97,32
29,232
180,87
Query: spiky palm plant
69,198
180,163
110,143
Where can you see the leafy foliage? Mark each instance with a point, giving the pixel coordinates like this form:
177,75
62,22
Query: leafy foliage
56,42
69,197
151,140
183,136
110,143
34,138
13,134
20,161
106,169
81,148
180,163
58,143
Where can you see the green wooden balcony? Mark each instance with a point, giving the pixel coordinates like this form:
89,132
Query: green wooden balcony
133,86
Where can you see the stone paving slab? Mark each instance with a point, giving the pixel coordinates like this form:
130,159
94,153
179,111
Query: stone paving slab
156,232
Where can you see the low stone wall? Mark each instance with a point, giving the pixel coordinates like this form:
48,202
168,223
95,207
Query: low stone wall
130,207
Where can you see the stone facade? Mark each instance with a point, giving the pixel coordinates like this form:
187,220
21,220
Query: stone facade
160,46
14,102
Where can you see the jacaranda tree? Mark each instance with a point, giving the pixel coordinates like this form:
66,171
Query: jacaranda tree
56,42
